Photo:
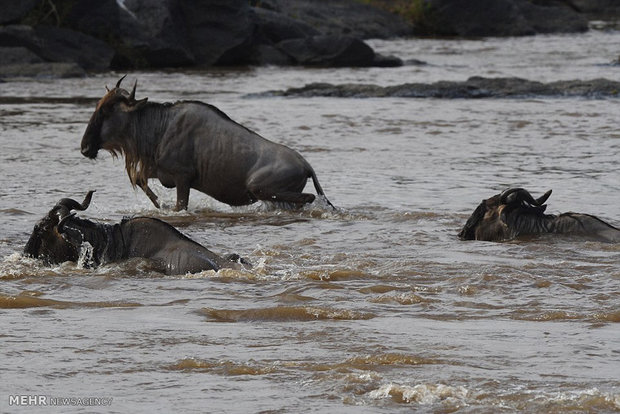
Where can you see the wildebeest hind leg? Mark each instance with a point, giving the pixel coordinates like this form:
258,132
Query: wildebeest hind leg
150,194
281,185
285,197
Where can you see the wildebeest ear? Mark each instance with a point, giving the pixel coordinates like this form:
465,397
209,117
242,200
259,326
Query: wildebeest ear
133,106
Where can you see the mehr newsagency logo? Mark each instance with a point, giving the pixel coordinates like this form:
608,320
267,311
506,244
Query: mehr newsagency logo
47,400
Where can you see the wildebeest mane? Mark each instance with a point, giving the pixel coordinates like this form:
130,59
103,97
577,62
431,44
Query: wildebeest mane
138,149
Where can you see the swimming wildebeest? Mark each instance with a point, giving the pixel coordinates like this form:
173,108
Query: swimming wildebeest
190,144
515,212
60,237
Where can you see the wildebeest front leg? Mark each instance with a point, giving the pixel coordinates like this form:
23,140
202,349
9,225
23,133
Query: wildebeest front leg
150,194
182,196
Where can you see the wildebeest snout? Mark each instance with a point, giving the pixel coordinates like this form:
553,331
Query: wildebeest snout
87,148
86,151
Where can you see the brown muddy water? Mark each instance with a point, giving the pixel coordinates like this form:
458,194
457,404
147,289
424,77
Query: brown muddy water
377,307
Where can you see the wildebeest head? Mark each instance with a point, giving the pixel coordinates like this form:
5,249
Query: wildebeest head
109,120
500,217
51,240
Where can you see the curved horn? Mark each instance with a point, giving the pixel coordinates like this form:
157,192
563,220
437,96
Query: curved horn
516,195
541,200
132,96
118,84
71,204
504,196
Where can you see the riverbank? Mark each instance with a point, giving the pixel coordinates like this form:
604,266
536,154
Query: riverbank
63,38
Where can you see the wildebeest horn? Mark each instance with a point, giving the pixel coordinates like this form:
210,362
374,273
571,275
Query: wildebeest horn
541,200
508,196
71,204
516,195
132,96
118,84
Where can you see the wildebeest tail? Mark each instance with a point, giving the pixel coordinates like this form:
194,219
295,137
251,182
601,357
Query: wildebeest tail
318,188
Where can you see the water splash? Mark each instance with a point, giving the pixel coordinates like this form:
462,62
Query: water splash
423,394
86,258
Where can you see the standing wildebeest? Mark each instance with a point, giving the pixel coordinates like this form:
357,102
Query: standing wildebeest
60,236
191,144
515,212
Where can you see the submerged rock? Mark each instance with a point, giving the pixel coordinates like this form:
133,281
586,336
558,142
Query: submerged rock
475,87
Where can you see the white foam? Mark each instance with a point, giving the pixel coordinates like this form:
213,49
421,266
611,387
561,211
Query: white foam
16,265
584,395
424,394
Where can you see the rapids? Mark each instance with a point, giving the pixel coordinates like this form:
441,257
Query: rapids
375,307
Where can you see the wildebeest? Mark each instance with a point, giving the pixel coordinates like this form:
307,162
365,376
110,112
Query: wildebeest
60,236
515,213
191,144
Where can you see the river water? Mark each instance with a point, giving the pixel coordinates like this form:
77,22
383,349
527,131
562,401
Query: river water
376,307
